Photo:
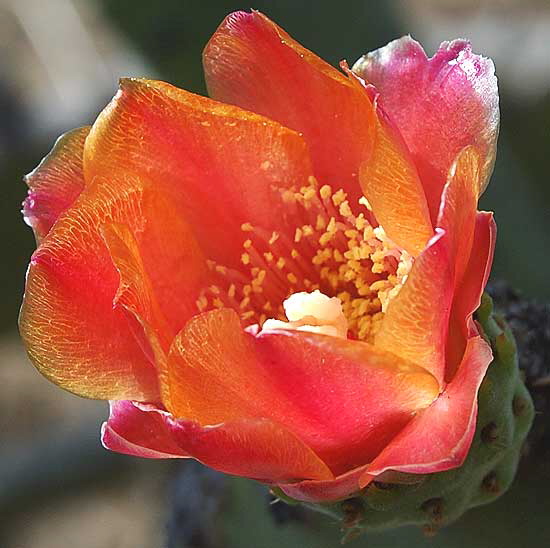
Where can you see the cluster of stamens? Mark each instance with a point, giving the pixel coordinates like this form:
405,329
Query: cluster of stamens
334,249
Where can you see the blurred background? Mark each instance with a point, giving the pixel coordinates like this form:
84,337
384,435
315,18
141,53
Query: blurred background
59,65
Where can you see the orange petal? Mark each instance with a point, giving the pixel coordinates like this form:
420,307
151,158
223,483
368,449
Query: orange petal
320,388
218,165
458,206
164,249
71,331
416,324
56,183
258,449
253,63
392,186
439,438
440,105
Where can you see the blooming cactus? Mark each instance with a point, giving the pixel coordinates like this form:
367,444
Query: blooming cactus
280,281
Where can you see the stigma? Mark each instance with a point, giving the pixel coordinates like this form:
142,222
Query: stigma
314,312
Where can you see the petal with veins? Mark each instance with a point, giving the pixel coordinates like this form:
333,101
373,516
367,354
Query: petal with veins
73,332
205,156
440,105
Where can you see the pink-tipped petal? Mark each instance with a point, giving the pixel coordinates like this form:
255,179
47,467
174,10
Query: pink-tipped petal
133,431
440,105
56,183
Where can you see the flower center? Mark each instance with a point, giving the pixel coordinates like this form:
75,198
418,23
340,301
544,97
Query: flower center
336,248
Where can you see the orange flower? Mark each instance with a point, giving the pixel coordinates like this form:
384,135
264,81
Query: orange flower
279,281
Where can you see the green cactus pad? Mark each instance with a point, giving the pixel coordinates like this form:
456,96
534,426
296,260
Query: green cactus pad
435,500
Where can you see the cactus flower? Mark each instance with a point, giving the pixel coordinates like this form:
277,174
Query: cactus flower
278,281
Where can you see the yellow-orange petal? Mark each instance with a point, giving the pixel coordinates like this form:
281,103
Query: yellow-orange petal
56,183
458,206
136,295
416,322
391,184
251,62
321,388
218,165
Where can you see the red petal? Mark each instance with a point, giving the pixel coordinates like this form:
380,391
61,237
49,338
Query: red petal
439,438
252,63
257,449
56,183
440,105
468,294
219,165
321,388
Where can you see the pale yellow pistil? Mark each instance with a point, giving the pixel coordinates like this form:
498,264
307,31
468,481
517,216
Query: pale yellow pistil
314,312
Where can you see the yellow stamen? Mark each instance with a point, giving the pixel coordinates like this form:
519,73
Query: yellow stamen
334,249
